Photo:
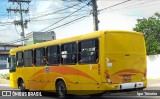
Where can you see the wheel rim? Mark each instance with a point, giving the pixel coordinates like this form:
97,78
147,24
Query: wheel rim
22,86
62,90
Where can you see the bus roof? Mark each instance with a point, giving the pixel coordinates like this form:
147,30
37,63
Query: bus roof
71,39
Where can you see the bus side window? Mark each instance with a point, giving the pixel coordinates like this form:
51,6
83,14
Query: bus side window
69,53
53,55
95,51
28,58
34,57
39,55
88,51
74,53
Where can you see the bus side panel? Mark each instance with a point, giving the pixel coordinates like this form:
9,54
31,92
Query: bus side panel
45,77
27,76
104,81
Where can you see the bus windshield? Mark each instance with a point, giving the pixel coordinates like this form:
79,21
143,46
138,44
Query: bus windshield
12,65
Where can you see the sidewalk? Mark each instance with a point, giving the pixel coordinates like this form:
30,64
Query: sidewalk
4,82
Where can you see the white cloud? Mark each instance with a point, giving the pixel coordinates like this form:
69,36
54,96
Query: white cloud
116,21
8,33
43,6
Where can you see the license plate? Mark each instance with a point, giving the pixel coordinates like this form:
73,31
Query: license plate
126,78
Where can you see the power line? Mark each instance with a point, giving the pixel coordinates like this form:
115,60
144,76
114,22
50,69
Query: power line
63,24
66,23
115,5
5,24
57,17
54,23
44,15
64,17
54,12
132,6
34,3
26,38
16,30
61,8
74,20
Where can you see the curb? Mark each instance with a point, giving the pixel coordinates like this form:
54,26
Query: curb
153,78
4,81
4,85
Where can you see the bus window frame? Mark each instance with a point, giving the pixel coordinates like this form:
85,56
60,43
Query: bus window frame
43,58
14,63
32,61
17,63
97,51
73,42
58,55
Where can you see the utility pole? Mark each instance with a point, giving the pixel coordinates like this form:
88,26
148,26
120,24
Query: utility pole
22,25
21,11
95,15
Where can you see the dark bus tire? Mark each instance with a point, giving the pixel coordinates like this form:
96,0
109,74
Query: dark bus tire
61,90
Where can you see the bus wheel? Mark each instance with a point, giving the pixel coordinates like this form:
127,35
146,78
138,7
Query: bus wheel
21,86
61,89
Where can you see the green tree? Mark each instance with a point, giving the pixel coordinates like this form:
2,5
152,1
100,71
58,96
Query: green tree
151,29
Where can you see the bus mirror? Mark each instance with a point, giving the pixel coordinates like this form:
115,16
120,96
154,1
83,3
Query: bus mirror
7,66
8,61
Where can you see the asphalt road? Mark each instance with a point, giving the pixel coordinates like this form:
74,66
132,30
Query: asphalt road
153,87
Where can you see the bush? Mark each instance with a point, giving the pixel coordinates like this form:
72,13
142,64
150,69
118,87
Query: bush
5,76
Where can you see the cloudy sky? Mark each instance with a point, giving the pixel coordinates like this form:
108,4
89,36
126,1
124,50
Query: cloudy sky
47,15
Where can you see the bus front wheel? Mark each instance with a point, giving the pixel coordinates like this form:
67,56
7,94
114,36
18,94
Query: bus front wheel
61,89
21,86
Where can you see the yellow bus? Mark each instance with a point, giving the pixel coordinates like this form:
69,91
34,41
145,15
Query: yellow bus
82,65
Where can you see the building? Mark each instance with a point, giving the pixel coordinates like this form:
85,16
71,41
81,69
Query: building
4,54
37,37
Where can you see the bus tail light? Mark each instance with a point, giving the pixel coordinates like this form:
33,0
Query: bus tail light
145,72
109,81
143,78
99,69
107,76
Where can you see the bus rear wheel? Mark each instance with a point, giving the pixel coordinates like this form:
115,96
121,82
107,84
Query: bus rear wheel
61,89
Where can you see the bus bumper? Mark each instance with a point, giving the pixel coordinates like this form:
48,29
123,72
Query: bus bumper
123,86
13,84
